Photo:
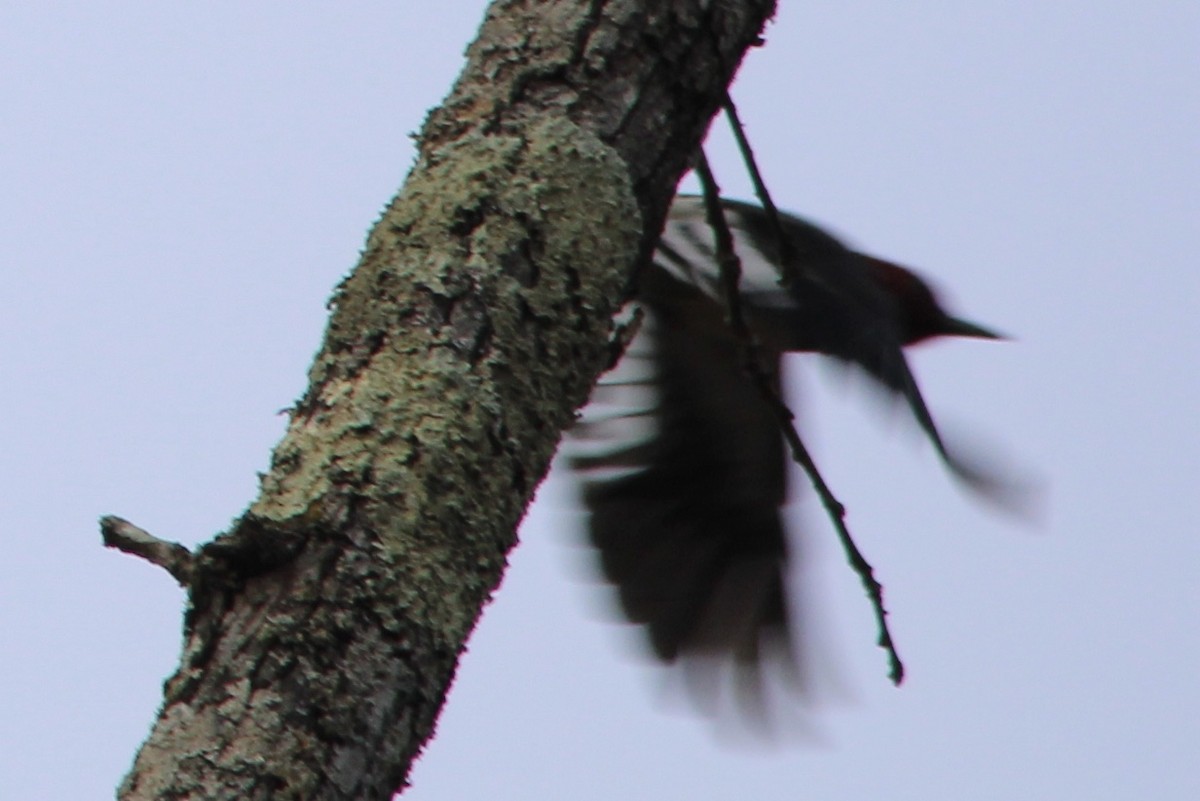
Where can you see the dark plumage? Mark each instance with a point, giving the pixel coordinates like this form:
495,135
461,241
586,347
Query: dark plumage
682,460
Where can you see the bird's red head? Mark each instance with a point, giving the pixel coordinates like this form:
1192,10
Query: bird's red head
919,311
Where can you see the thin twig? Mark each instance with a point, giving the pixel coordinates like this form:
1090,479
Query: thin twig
730,266
170,556
789,265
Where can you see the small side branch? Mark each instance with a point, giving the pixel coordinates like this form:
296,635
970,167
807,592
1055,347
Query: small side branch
170,556
730,266
623,335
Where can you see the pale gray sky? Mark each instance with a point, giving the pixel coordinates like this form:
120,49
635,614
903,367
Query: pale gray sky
184,184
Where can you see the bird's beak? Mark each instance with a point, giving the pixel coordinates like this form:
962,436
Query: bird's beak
961,328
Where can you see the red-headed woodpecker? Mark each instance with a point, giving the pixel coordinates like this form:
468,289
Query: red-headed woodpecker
681,457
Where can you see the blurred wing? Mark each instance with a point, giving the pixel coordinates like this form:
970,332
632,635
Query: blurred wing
683,472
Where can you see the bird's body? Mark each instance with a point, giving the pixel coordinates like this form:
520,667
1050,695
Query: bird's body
682,457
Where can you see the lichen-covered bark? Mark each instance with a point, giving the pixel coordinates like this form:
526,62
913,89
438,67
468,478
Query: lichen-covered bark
325,626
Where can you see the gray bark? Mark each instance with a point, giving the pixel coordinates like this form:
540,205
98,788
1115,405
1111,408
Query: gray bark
324,627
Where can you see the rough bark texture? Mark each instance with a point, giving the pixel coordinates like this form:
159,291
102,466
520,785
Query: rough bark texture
324,628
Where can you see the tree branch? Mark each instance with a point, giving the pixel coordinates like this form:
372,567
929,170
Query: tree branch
170,556
324,627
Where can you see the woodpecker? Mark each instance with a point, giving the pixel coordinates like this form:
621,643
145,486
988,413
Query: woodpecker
681,458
